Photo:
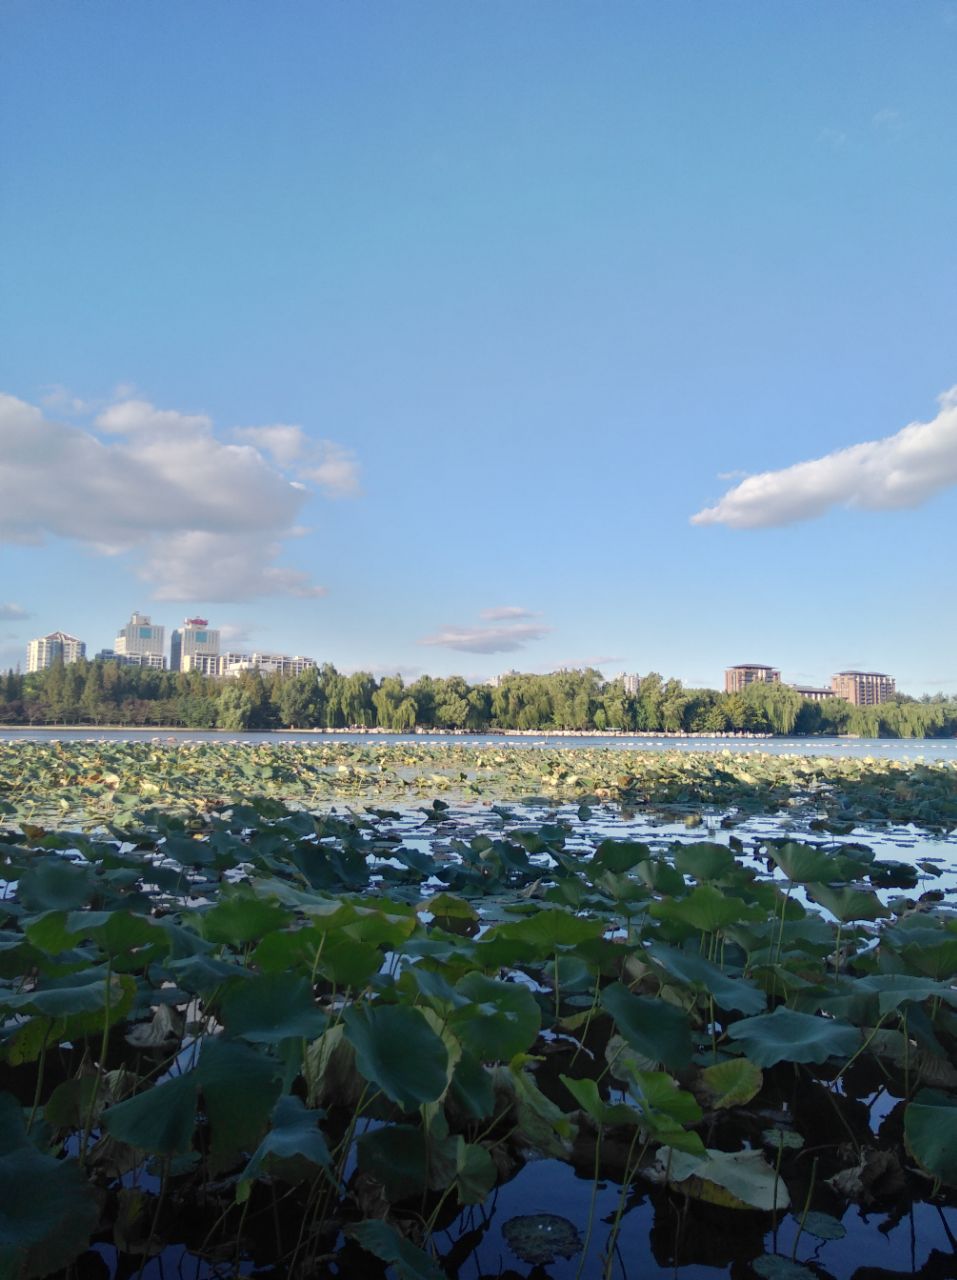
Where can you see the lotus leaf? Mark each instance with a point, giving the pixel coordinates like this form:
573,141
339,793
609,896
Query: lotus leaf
787,1036
398,1051
653,1028
930,1127
381,1239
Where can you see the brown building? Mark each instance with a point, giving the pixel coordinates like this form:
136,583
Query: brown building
813,694
863,688
745,673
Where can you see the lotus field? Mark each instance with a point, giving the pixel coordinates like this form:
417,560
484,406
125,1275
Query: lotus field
294,1011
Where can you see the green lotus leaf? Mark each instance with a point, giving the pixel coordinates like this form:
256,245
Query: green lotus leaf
803,862
692,968
397,1156
503,1018
732,1083
56,884
540,1238
585,1092
47,1209
895,989
160,1120
704,861
475,1172
787,1036
270,1007
398,1051
653,1028
472,1088
823,1226
547,929
239,916
382,1240
240,1086
774,1266
620,855
846,904
731,1179
293,1140
930,1130
708,909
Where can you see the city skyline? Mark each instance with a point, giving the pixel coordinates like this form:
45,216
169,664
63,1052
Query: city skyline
442,341
195,646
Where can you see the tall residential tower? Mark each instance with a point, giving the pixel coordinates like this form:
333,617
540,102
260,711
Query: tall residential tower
56,647
141,643
194,647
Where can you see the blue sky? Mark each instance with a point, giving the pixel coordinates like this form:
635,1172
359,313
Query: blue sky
413,336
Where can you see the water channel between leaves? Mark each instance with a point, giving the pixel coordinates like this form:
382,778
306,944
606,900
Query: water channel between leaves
286,1010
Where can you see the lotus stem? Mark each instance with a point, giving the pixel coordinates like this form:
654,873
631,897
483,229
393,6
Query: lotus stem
806,1209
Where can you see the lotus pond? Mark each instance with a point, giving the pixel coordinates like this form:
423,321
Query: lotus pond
292,1011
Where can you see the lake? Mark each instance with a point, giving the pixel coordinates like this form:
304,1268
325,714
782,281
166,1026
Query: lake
907,749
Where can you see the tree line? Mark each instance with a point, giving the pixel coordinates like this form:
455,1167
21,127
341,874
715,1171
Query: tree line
106,693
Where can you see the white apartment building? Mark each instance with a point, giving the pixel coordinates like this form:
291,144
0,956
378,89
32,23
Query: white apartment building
58,646
630,682
192,645
269,664
141,639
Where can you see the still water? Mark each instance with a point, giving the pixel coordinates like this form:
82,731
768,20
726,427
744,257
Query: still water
908,749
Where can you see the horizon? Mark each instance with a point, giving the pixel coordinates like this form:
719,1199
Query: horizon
432,340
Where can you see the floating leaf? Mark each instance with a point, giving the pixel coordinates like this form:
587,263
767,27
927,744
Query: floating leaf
774,1266
824,1226
540,1238
734,1180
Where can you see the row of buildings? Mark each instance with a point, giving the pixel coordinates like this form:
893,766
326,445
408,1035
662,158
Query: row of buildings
862,688
195,646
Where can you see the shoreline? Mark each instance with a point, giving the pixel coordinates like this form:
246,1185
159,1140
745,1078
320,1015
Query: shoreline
453,734
360,731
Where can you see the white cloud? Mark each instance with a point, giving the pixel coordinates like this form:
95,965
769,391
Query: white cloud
233,633
334,469
325,463
205,519
888,121
283,443
504,639
836,139
508,613
898,471
62,400
12,612
596,660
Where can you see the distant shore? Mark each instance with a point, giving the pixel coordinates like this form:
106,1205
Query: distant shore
396,733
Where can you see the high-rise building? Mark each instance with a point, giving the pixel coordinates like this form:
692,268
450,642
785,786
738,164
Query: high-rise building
631,683
192,642
58,646
141,639
863,688
745,673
